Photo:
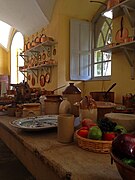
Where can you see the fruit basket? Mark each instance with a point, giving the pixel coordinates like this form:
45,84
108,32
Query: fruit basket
98,146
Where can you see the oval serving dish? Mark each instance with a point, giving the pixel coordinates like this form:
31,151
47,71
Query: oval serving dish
35,123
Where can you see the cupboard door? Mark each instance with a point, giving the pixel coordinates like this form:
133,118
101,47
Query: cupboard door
80,56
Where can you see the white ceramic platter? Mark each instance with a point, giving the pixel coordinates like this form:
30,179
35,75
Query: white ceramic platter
36,123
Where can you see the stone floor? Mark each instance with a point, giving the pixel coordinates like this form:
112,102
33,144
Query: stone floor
10,167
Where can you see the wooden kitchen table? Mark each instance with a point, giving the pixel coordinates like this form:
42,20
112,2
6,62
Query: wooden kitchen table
47,159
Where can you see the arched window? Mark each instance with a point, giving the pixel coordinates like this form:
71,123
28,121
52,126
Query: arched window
103,37
16,60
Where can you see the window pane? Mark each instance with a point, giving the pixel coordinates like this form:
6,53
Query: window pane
109,20
103,37
97,56
20,63
100,42
109,38
107,56
97,70
104,29
16,61
107,68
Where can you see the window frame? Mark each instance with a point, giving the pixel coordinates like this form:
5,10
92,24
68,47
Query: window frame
16,58
75,52
100,20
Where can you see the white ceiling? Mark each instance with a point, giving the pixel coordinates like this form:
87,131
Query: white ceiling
27,16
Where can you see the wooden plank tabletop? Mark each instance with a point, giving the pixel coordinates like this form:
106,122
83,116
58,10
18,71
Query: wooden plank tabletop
61,160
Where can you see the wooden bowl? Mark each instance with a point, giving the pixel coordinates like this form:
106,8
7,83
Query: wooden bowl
127,172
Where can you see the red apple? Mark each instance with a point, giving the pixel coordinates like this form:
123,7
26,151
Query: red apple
109,136
93,124
83,133
88,122
84,127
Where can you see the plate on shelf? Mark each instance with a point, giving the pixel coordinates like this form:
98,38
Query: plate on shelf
36,123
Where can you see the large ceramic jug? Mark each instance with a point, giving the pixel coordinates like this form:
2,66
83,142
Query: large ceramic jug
65,106
73,95
88,109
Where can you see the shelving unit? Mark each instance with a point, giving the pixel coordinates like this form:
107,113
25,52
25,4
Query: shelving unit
119,9
126,8
35,52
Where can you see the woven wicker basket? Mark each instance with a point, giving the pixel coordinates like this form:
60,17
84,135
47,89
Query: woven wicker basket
98,146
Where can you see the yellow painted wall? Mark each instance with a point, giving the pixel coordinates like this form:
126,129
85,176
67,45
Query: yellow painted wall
59,30
3,61
5,58
121,73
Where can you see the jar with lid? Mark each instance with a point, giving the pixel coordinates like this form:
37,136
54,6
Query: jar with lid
73,95
88,109
65,106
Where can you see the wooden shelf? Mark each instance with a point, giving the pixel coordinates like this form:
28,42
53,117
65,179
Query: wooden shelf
117,48
35,51
117,10
127,8
38,46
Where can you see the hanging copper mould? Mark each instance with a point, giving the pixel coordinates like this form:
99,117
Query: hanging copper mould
33,81
47,77
54,51
42,79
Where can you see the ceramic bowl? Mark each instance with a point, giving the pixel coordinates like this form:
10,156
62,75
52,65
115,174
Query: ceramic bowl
123,119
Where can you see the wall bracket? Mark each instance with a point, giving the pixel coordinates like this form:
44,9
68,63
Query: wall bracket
127,10
130,55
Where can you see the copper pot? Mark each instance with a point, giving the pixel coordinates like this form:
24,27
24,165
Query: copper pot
37,39
52,103
28,45
43,38
31,109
